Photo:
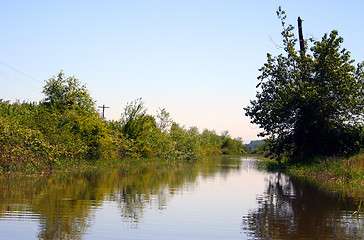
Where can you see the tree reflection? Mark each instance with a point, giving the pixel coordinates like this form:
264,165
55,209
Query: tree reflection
65,203
291,209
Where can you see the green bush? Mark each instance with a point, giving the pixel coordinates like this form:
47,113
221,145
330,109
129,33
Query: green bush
66,130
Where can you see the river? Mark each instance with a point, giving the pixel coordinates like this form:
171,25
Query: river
221,198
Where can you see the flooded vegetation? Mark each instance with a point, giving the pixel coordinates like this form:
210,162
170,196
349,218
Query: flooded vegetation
220,198
66,131
308,105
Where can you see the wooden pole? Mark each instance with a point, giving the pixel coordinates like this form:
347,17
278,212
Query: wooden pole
103,111
300,35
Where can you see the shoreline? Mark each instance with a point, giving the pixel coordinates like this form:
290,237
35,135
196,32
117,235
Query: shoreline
99,164
344,175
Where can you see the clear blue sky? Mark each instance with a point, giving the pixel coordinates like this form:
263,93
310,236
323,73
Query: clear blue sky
199,59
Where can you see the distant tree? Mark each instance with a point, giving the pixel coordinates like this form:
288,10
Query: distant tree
310,103
135,120
186,142
193,131
67,93
164,120
232,146
255,144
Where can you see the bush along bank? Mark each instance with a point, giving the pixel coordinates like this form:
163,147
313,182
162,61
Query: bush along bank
334,174
309,103
345,175
65,130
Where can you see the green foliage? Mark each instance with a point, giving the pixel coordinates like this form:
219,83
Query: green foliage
164,120
142,130
161,137
67,93
310,103
211,142
255,144
345,175
65,130
232,146
187,144
22,146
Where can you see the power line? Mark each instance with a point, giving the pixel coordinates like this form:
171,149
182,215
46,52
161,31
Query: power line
12,79
18,71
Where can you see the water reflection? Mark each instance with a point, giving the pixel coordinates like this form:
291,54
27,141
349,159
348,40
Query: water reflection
65,204
291,209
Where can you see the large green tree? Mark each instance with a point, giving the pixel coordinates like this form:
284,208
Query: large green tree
68,93
310,103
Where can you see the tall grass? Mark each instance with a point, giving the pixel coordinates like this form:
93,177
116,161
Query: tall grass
345,175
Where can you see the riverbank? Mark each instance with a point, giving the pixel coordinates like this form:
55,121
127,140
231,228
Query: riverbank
65,130
83,166
344,175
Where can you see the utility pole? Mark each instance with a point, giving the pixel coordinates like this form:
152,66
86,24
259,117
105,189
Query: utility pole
300,35
103,110
302,49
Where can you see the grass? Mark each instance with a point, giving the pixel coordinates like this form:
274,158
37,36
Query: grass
345,175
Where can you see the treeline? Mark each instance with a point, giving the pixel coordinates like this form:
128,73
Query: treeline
66,129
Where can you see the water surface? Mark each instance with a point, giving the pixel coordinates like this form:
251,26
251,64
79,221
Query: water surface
222,198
